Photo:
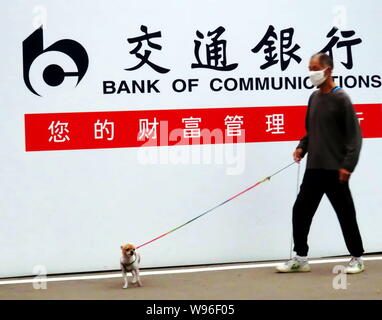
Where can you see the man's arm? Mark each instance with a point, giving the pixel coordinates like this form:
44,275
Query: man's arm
304,142
303,145
353,137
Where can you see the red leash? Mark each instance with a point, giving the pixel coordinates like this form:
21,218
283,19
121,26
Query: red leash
224,202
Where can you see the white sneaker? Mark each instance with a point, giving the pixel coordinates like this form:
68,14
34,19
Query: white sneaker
355,265
297,264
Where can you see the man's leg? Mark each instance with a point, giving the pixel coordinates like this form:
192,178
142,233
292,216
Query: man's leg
308,199
341,199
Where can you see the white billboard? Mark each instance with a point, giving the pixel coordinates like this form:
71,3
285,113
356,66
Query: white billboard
123,119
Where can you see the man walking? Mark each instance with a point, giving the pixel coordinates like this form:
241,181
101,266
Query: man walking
333,142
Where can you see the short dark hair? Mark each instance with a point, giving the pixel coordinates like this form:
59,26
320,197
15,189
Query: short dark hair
325,59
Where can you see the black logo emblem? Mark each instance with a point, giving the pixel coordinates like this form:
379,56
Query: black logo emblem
53,74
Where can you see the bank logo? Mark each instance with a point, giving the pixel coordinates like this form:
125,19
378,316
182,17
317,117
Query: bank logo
53,74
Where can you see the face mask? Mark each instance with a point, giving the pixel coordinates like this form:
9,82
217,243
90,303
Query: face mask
317,77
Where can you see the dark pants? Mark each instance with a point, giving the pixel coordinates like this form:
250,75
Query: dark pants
315,183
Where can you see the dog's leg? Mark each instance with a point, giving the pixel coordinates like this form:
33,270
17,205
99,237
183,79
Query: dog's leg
125,282
134,273
138,278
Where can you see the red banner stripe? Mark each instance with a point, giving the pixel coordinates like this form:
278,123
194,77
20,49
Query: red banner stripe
121,129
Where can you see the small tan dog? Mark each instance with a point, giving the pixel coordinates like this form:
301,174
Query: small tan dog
130,261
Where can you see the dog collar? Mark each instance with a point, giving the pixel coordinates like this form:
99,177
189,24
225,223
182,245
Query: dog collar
127,265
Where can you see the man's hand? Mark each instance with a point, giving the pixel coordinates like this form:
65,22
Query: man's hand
344,175
297,155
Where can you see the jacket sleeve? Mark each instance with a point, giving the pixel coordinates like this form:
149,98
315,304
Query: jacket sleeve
353,136
304,145
304,142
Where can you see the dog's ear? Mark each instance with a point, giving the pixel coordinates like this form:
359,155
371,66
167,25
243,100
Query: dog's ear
121,247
